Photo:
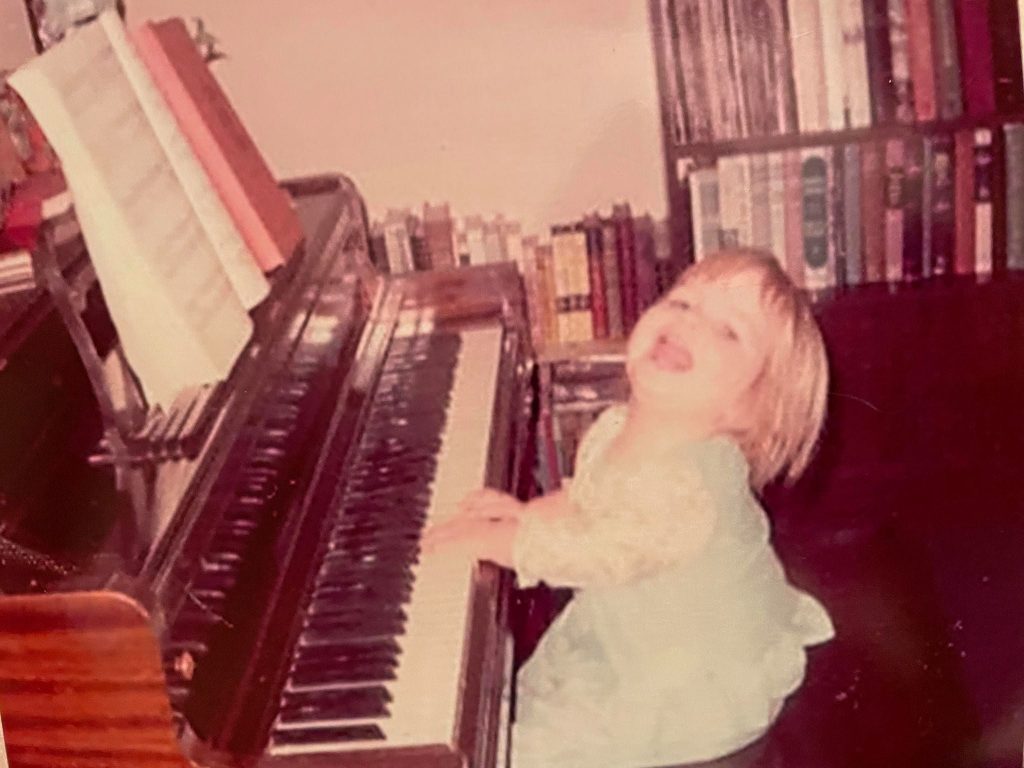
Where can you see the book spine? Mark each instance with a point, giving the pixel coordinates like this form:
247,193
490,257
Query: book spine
899,47
718,80
836,88
547,293
949,97
1014,151
997,186
872,210
983,150
734,200
614,279
646,272
975,46
808,65
675,83
879,55
836,216
894,192
794,193
913,178
814,173
706,208
595,267
1004,16
777,206
963,192
533,291
927,193
922,58
561,256
781,78
943,206
851,214
760,212
700,98
855,63
625,240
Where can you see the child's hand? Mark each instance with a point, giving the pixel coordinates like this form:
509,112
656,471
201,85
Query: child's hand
488,504
484,527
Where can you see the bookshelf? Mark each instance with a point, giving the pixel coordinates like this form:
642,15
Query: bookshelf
935,77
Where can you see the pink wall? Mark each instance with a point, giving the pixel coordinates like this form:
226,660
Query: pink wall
540,109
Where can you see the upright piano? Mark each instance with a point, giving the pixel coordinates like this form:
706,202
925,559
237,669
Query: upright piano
258,597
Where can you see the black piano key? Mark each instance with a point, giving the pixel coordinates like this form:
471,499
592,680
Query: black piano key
344,704
366,649
332,735
360,627
342,673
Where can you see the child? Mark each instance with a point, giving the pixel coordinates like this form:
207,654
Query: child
683,638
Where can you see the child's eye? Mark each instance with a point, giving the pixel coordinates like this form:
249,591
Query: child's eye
730,333
679,304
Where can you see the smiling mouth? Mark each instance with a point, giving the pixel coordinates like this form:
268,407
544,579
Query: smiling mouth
670,356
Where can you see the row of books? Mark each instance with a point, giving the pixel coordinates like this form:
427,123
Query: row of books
735,69
589,280
890,210
405,242
180,214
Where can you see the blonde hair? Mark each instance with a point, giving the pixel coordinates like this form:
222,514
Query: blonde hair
789,396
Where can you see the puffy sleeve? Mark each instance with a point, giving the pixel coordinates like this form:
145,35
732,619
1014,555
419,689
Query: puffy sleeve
622,527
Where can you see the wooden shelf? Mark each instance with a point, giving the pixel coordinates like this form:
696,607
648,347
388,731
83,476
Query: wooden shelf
711,149
610,349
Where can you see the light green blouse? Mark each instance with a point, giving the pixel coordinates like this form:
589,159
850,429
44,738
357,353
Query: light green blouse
657,660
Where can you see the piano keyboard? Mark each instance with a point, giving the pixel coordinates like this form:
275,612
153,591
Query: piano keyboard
378,660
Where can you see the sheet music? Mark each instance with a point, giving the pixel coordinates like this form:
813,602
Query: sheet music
239,264
178,318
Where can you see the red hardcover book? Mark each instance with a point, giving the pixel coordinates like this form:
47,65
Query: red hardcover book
262,211
922,68
975,45
872,210
963,197
598,307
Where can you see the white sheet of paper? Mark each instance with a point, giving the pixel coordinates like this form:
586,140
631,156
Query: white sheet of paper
179,319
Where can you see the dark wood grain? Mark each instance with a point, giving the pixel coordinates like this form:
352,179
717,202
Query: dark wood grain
81,684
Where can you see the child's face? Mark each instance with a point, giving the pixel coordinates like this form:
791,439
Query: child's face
698,351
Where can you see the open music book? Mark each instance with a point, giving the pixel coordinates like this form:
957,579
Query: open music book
176,274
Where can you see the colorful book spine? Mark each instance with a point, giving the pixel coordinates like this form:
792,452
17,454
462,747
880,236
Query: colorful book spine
983,214
814,176
942,242
613,279
595,267
872,209
894,193
760,213
963,196
899,45
1014,154
975,47
879,56
855,64
734,200
561,259
852,214
794,193
808,65
946,58
922,58
777,205
625,241
836,88
836,216
547,292
913,201
1004,16
706,211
